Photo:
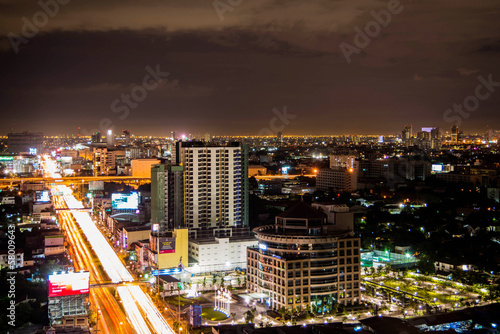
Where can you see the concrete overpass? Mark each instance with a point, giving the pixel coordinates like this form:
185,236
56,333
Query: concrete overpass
86,179
75,179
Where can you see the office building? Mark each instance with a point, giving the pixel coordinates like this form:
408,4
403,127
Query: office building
215,187
104,161
429,138
96,137
110,138
407,135
126,137
167,196
345,161
25,142
303,261
454,134
337,179
220,254
279,137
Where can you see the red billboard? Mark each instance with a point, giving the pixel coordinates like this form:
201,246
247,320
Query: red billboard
68,284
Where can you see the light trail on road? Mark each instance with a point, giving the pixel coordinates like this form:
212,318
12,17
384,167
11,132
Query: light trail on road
112,265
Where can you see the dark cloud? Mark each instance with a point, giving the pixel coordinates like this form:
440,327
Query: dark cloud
225,77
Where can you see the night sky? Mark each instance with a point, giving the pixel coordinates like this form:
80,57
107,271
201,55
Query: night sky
229,67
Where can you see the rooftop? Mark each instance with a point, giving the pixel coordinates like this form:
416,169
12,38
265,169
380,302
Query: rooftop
302,210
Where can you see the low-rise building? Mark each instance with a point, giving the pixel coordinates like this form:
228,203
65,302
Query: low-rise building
220,253
17,258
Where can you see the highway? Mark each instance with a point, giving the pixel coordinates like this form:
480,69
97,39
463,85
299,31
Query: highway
73,179
138,306
85,179
111,317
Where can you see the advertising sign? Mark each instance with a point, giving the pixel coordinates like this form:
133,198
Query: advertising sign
96,185
69,284
124,201
167,245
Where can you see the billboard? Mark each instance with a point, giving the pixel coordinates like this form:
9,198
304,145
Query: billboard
167,245
68,284
125,201
96,185
437,168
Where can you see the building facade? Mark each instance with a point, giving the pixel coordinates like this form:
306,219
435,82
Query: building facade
220,254
167,196
215,186
338,179
104,161
25,142
303,262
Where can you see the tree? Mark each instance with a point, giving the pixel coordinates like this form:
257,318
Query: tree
92,318
249,316
283,311
176,326
204,282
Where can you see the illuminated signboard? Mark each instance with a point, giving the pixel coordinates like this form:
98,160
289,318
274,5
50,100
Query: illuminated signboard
69,284
5,158
167,245
43,196
437,168
124,201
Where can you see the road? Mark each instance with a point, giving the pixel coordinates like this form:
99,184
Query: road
141,313
111,317
78,180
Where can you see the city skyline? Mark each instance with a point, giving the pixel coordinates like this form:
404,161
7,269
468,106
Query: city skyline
204,67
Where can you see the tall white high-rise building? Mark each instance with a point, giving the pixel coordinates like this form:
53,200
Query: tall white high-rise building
215,187
110,138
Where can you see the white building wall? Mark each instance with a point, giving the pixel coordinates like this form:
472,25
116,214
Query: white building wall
222,254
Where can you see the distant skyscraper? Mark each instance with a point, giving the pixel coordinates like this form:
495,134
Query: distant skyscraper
215,187
96,137
110,138
173,135
429,138
407,135
126,136
280,137
454,134
208,137
167,196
